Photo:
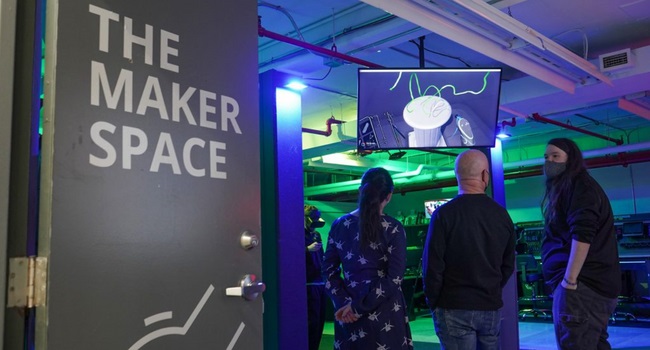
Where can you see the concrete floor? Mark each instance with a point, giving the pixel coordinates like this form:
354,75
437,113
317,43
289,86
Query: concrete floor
532,335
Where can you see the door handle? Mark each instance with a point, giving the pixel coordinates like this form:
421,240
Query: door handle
249,288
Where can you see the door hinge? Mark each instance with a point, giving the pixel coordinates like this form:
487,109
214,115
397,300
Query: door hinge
27,282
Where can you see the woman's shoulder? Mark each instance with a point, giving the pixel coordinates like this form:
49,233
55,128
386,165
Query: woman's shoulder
394,225
344,219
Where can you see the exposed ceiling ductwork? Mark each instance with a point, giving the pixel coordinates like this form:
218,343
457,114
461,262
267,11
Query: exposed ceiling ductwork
560,98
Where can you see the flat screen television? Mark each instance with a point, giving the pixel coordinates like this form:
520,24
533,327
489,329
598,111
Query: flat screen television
427,108
432,205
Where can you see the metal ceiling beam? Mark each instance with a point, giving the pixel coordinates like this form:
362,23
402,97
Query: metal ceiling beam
634,108
437,23
524,32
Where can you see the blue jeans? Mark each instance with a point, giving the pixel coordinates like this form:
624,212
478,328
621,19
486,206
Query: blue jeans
467,329
580,317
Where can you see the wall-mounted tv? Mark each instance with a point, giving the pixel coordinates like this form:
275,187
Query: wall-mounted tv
427,108
432,205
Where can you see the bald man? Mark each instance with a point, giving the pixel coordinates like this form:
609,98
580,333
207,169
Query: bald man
469,255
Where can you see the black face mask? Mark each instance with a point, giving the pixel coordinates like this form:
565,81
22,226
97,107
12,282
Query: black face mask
553,169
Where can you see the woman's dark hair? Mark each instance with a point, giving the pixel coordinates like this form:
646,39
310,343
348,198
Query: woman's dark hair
558,188
376,185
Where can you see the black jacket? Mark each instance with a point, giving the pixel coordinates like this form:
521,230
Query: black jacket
469,254
587,218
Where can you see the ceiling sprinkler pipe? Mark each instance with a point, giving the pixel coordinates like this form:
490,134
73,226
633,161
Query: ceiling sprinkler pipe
446,178
511,123
327,132
517,114
305,45
539,118
635,147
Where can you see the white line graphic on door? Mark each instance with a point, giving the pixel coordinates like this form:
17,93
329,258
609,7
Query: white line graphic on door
179,330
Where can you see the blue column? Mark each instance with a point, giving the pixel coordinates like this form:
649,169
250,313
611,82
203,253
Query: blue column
283,246
509,324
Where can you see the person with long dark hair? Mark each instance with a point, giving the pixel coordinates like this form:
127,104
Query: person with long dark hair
579,250
364,267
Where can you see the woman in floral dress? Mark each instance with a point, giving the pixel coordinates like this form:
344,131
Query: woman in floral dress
364,267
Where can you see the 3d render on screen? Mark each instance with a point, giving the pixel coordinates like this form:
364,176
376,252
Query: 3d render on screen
427,108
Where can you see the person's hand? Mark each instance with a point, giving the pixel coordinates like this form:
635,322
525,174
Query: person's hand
314,247
346,314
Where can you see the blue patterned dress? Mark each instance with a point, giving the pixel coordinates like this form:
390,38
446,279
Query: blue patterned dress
371,280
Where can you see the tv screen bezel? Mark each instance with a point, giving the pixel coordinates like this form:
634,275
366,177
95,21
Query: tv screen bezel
487,142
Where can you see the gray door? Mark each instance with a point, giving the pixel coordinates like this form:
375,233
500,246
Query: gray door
150,175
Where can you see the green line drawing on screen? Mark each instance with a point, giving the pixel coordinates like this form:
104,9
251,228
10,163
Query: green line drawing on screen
176,330
427,113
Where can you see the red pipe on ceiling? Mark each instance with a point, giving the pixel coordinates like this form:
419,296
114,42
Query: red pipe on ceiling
328,132
539,118
623,158
305,45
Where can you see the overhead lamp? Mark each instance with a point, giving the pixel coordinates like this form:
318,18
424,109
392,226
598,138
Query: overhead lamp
412,11
296,85
502,133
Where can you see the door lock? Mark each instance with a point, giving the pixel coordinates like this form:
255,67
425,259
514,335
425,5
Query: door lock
248,240
249,289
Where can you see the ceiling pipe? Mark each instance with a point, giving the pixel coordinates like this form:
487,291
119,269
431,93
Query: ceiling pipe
517,114
305,45
403,177
622,159
510,123
327,132
585,154
611,156
598,158
539,118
